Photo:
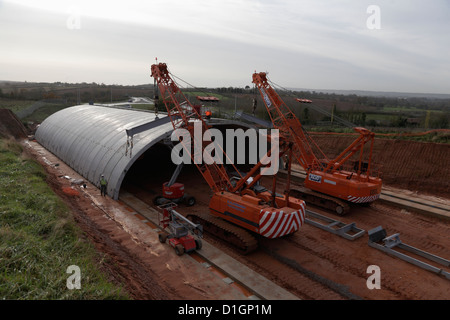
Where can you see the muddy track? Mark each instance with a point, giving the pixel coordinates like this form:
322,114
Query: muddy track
286,273
340,265
267,261
315,264
122,265
428,233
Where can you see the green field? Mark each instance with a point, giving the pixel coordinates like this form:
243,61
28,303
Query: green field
15,105
39,238
406,110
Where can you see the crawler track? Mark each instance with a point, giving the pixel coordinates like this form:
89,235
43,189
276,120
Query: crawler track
230,234
335,205
400,200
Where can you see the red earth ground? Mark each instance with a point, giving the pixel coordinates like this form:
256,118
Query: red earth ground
312,264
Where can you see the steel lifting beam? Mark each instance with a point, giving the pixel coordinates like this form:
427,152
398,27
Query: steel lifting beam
185,221
253,119
147,126
347,231
188,223
141,128
378,234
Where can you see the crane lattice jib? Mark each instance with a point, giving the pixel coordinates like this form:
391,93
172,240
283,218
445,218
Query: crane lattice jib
215,173
286,122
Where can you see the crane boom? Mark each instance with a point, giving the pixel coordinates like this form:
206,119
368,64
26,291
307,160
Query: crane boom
214,174
325,176
286,122
254,209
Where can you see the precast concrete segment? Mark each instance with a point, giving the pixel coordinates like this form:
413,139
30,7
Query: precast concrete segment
92,140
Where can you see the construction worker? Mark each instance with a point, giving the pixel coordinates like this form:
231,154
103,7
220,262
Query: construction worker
103,184
286,162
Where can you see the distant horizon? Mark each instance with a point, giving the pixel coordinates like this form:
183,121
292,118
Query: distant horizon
358,92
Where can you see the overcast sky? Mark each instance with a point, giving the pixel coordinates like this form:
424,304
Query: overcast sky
398,45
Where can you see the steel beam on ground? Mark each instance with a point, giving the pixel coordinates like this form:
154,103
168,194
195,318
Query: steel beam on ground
347,231
391,242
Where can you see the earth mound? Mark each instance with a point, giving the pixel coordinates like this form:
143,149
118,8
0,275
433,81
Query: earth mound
10,125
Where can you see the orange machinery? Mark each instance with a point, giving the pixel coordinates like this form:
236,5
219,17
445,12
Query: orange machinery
262,212
327,180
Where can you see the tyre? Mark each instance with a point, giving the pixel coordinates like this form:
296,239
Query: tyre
198,244
190,201
179,249
158,200
162,237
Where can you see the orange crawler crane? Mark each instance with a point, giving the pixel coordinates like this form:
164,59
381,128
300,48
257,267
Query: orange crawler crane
264,213
328,181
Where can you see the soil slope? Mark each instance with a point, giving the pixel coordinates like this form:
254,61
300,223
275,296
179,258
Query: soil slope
420,166
10,125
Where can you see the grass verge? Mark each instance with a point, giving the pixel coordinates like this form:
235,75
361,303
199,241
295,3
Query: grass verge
39,238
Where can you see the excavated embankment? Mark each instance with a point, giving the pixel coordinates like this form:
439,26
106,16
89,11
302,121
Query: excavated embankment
419,166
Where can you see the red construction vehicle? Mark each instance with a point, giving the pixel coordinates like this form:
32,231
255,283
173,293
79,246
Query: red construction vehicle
179,228
173,191
328,181
247,208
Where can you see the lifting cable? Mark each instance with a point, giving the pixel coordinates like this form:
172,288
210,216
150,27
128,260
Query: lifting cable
188,84
344,122
204,92
314,147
